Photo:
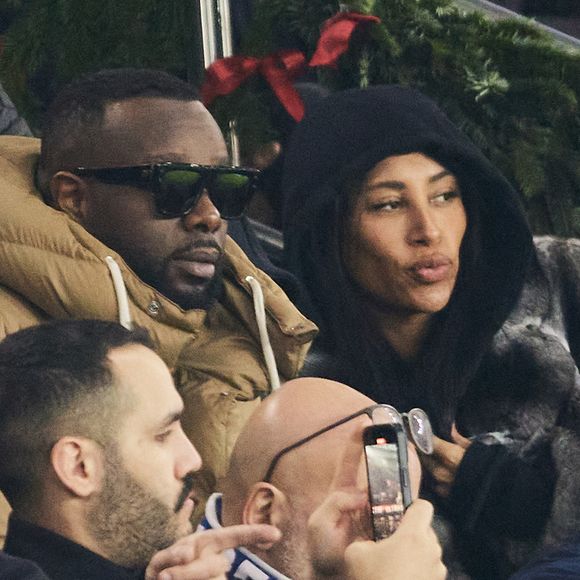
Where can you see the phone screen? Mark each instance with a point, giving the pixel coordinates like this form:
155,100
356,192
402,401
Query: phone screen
386,459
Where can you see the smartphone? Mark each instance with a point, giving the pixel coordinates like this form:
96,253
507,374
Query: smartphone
385,448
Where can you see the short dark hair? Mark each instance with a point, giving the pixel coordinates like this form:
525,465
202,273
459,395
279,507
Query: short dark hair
55,380
80,106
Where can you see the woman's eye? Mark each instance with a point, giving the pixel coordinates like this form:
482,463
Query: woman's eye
446,196
389,205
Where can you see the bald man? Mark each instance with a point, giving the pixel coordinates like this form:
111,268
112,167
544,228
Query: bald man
286,493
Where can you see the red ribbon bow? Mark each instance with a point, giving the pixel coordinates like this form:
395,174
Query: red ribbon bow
335,37
279,69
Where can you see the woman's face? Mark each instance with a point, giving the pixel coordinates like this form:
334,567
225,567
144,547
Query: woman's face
402,238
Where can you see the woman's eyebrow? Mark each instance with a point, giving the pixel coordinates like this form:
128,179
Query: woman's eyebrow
440,175
397,185
400,186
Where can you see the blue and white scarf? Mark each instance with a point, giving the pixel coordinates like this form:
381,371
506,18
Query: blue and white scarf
245,565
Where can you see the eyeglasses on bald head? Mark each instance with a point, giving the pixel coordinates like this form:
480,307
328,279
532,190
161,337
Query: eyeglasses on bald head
416,423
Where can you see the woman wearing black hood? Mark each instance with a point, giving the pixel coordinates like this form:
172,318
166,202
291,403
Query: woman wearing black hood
430,291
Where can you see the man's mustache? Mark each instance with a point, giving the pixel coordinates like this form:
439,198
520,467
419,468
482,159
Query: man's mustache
187,487
203,243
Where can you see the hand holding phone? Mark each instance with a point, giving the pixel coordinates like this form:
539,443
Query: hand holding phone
413,552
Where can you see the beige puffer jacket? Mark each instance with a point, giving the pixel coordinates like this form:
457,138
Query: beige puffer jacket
51,267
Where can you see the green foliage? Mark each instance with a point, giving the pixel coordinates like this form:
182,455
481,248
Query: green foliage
53,41
506,83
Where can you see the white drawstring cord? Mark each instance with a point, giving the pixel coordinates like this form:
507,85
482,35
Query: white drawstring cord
121,293
260,312
259,309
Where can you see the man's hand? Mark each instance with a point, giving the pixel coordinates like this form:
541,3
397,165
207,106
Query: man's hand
200,556
332,527
411,553
342,517
445,460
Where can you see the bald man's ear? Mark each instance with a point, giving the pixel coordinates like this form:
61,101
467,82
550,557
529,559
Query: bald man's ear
69,194
79,464
265,504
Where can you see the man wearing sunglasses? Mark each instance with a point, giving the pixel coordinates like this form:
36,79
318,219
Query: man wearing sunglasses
130,224
302,444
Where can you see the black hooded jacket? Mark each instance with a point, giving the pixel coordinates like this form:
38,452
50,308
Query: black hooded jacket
501,358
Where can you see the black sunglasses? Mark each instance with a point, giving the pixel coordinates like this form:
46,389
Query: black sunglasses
177,187
416,424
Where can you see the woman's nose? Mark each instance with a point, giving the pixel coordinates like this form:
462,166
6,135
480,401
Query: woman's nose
424,227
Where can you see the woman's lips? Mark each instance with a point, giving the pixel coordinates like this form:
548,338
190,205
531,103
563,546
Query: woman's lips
431,270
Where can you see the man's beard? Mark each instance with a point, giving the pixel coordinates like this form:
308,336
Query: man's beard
156,271
290,555
205,296
128,522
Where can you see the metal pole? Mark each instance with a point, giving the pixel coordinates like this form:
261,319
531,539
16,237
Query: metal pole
206,11
226,27
211,52
228,50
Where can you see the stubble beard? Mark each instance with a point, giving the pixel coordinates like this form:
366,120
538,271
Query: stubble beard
204,296
129,524
290,555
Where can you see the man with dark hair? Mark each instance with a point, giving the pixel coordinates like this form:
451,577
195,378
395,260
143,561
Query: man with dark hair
182,256
135,187
94,459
